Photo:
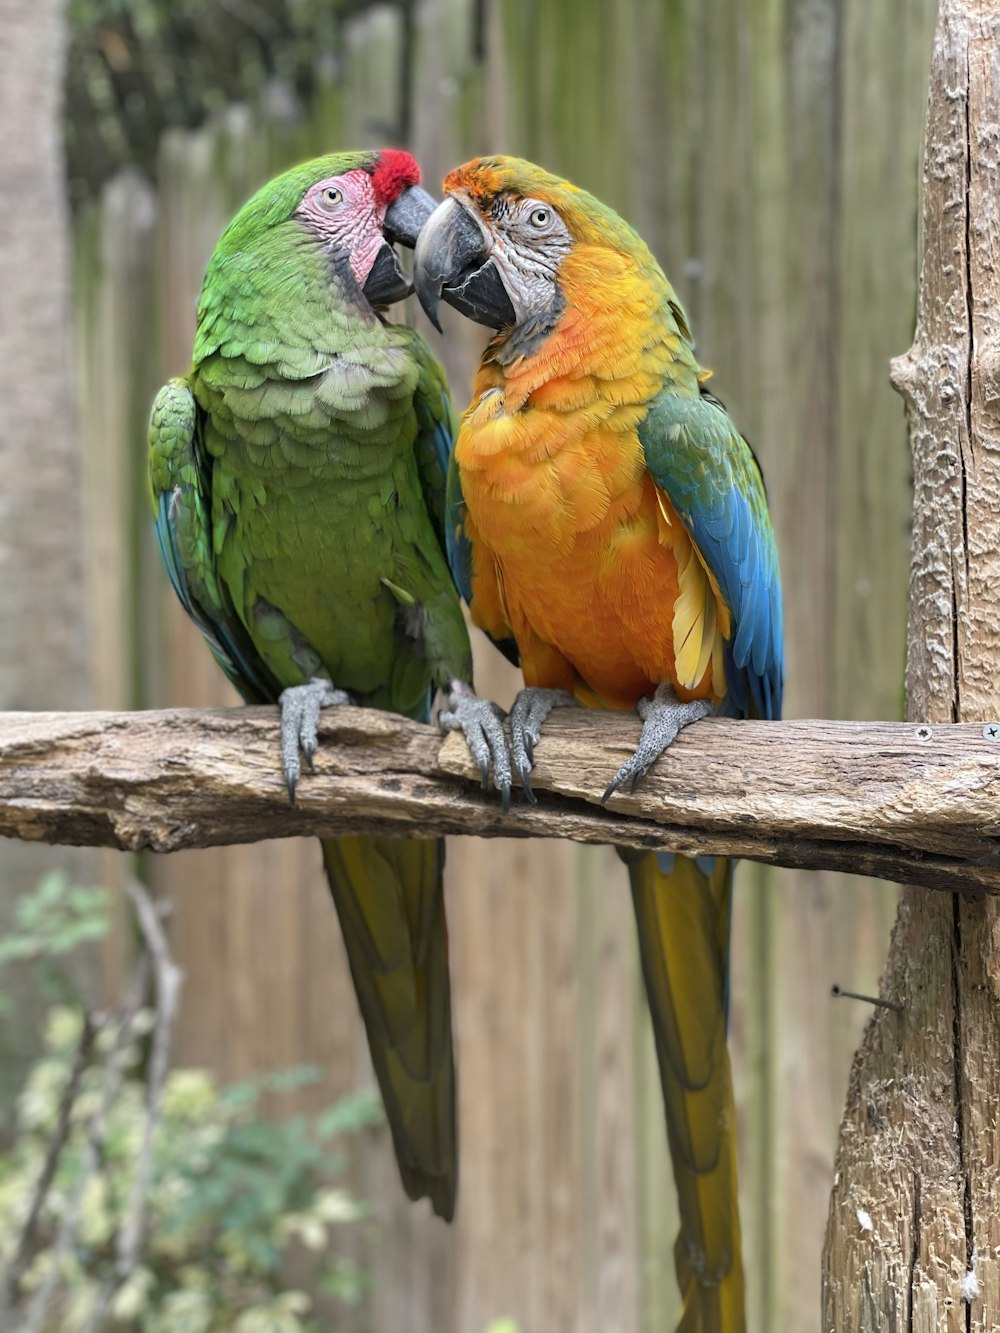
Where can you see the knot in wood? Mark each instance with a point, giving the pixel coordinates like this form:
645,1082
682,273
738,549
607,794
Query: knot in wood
903,374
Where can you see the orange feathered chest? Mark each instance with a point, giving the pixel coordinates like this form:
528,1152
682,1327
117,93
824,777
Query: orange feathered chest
574,547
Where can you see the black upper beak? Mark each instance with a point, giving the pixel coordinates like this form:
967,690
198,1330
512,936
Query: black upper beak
451,260
405,218
386,282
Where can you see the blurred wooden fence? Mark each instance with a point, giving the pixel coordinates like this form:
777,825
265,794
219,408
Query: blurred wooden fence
768,152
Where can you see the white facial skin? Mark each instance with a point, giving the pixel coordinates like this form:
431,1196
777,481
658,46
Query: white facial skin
345,214
527,240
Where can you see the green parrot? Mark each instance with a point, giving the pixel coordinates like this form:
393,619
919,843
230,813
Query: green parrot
297,476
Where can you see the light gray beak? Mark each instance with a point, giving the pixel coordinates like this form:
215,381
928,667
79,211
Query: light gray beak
452,261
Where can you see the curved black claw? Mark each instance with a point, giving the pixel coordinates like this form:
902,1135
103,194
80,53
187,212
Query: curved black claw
531,707
300,709
481,722
662,718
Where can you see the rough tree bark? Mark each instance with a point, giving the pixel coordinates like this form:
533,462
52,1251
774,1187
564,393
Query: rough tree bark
914,1223
896,800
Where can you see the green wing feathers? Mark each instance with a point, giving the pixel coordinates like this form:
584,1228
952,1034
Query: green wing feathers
390,901
683,919
180,492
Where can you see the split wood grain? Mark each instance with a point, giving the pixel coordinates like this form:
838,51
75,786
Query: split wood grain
896,800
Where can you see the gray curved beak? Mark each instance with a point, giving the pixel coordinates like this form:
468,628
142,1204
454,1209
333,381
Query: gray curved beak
451,261
405,218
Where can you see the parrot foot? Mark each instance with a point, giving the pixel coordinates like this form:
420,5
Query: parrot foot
300,709
662,718
531,707
481,722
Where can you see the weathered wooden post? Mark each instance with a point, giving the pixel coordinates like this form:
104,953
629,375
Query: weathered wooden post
913,1238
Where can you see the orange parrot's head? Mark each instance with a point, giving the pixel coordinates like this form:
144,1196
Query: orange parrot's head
496,248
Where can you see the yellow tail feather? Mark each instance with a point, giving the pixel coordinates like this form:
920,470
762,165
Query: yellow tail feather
682,914
389,898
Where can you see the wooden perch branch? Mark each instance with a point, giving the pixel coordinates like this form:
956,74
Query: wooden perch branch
895,800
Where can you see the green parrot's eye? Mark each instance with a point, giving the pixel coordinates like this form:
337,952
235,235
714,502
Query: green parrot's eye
540,218
330,197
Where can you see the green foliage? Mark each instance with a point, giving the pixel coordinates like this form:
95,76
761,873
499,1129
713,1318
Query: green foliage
231,1190
50,923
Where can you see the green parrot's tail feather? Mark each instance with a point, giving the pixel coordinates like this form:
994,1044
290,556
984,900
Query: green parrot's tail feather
682,912
390,902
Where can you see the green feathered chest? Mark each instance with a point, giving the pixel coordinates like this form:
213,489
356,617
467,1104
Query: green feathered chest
319,524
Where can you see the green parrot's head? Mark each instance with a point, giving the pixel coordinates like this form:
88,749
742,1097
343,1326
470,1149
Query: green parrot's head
355,206
499,248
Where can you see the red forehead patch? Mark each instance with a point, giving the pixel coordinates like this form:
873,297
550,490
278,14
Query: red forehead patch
395,172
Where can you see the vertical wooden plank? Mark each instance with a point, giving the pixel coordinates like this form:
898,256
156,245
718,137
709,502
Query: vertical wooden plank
877,263
560,1107
876,259
795,134
113,261
610,1213
180,670
474,965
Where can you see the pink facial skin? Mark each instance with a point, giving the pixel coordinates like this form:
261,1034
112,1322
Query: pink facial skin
353,223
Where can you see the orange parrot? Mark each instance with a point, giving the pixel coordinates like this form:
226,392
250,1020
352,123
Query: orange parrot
608,527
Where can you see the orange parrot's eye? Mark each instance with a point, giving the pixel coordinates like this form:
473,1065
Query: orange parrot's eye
540,218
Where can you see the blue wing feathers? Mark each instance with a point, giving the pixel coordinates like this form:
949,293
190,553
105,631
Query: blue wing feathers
442,445
459,547
696,455
161,527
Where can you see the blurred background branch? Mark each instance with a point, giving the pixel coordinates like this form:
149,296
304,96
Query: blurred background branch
139,67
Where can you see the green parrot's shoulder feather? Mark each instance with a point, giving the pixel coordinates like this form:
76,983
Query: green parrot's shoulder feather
697,456
269,311
180,490
437,427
